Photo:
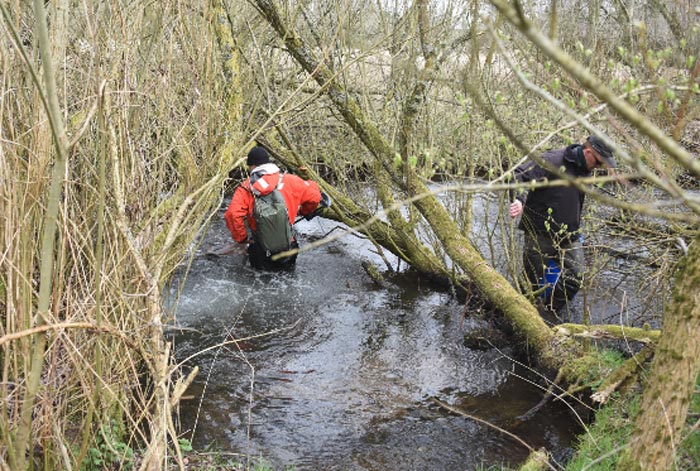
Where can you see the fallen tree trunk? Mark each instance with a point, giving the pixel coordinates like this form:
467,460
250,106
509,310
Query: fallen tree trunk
677,362
523,316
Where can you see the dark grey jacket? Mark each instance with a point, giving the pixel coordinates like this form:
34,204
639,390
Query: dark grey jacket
553,211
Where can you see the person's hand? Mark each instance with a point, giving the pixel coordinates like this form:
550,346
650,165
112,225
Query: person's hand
516,208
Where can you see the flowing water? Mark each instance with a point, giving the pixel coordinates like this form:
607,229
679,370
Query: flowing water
320,369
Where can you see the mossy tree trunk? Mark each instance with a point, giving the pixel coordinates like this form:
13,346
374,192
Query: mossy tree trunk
493,286
671,381
676,363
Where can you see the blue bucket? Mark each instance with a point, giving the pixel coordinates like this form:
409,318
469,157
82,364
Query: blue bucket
551,276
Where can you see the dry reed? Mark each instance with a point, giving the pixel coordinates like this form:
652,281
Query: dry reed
142,170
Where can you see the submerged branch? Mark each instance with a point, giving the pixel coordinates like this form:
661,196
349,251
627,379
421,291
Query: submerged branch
458,411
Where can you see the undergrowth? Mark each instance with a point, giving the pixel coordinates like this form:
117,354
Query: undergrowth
600,448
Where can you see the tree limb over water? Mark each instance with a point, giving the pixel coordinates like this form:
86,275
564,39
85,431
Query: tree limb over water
494,287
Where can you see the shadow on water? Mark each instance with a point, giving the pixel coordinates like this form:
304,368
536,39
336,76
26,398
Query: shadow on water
333,372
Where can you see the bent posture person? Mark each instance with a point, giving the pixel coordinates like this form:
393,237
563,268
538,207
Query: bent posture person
551,216
273,233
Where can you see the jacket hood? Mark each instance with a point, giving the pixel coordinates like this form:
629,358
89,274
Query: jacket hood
264,179
265,169
574,155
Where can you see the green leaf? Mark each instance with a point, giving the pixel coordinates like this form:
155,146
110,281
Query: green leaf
185,445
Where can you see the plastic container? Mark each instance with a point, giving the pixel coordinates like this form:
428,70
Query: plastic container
551,276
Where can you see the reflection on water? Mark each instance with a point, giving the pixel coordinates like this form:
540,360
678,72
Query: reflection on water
333,373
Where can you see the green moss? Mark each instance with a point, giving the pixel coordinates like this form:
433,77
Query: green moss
593,367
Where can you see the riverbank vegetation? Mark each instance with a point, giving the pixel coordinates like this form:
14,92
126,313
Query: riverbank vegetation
113,137
609,435
120,122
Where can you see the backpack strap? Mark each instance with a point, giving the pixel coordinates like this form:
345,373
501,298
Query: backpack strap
246,186
280,184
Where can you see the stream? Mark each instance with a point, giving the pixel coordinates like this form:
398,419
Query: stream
321,369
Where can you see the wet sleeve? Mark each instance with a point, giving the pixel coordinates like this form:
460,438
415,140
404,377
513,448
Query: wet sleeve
310,197
236,214
529,171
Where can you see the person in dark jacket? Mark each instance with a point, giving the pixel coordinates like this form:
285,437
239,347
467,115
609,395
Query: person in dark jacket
551,216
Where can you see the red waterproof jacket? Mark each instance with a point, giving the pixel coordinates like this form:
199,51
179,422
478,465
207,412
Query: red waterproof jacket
301,196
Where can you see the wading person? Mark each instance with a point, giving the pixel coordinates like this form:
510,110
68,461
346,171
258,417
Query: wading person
263,210
551,218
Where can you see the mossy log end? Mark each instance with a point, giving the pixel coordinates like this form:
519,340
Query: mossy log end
374,274
610,331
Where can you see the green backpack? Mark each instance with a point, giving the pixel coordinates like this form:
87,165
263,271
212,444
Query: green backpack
274,232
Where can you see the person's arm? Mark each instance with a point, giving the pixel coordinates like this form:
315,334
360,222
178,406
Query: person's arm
237,213
310,197
526,172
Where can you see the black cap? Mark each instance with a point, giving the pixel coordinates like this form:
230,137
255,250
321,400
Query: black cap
603,150
257,156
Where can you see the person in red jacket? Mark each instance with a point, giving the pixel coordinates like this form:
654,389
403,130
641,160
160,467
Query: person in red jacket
301,197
